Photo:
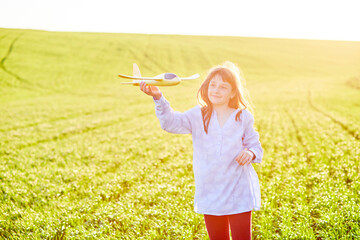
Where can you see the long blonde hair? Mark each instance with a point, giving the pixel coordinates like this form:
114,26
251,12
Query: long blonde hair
230,73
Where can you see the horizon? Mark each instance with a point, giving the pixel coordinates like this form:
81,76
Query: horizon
179,34
324,20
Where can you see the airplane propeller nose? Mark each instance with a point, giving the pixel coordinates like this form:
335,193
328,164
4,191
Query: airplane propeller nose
170,76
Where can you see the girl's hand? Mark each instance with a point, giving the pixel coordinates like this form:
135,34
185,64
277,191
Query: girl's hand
150,90
245,157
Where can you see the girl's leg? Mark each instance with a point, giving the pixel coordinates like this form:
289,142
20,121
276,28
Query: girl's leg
217,227
240,225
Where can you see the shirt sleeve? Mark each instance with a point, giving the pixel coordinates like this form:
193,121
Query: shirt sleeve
170,120
251,139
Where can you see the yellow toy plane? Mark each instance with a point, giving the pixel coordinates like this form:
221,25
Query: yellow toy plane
164,79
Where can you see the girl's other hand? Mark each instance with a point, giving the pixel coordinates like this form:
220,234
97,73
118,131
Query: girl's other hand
245,157
150,90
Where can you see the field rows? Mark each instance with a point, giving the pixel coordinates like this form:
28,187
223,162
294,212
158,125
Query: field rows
82,157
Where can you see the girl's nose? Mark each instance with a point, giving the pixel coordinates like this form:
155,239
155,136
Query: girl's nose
216,89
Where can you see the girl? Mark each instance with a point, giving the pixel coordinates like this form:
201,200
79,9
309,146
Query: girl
225,143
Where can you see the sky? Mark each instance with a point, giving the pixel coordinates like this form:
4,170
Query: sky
305,19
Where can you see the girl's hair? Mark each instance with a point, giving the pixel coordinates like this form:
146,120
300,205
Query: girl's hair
230,73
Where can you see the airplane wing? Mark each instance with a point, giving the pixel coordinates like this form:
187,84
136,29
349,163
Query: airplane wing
195,76
127,83
140,78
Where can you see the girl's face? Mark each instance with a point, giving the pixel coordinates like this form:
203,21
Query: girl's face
219,92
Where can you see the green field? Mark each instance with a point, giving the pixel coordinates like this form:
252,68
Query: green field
84,157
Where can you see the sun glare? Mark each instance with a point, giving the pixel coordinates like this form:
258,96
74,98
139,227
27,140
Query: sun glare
333,20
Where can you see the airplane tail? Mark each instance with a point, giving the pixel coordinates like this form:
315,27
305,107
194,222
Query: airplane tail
136,70
136,73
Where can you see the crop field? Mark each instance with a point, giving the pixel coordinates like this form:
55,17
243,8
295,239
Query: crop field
84,157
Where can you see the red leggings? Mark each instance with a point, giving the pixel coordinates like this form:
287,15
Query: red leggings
218,226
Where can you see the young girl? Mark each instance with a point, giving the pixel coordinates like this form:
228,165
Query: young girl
225,143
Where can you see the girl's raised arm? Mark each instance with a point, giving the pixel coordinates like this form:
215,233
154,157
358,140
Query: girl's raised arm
170,120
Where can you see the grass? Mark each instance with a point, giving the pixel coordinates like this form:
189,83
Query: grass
82,157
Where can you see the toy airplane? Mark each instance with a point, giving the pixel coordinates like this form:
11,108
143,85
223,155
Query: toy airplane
164,79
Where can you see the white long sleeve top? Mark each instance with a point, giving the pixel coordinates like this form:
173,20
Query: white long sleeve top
222,186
